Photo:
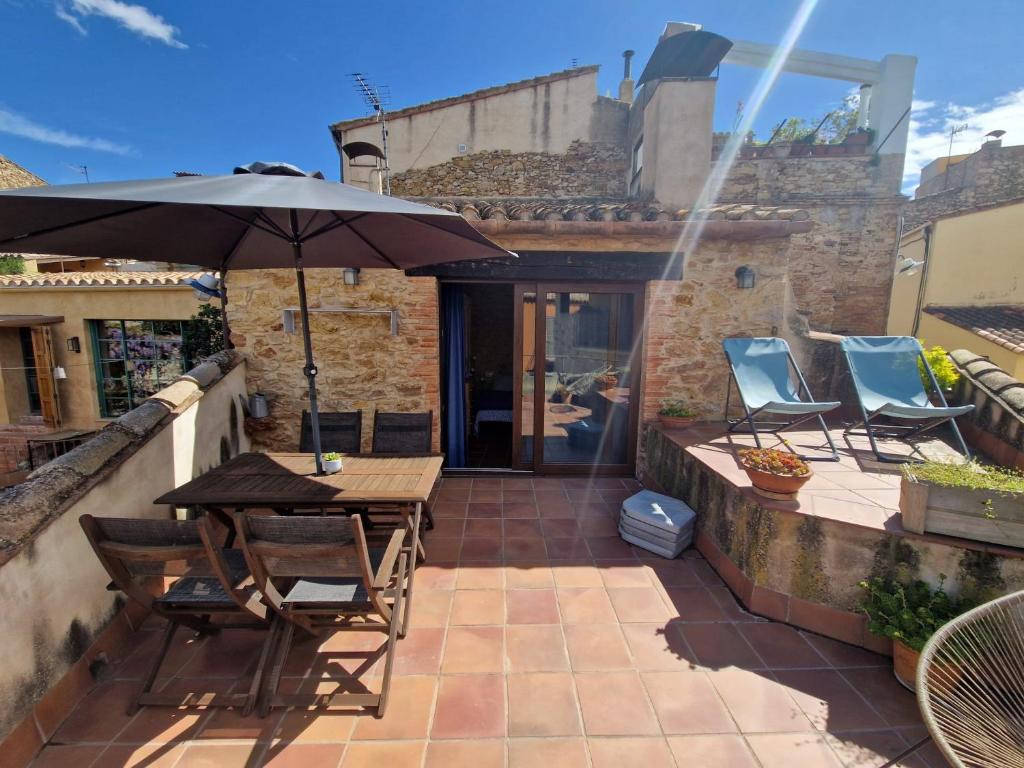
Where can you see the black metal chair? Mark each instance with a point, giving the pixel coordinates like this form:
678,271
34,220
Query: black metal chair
340,431
404,433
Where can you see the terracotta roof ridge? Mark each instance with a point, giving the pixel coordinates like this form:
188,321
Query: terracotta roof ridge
482,93
97,279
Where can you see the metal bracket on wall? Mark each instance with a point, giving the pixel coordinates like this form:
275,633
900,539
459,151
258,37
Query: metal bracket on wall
288,315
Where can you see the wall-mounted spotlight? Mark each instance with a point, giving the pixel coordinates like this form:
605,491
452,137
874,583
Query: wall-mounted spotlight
74,345
745,278
206,287
907,266
351,275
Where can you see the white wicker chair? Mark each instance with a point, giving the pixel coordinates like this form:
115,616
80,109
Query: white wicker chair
970,686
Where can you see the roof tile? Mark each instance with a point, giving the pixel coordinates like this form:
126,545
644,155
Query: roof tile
1002,325
97,279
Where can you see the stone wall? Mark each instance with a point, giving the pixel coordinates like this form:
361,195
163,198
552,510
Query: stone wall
57,619
841,271
361,366
996,426
591,169
993,174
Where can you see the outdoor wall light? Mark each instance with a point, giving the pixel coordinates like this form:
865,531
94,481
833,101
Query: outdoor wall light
908,266
74,345
745,278
351,275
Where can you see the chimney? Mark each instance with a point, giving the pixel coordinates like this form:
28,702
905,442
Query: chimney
626,86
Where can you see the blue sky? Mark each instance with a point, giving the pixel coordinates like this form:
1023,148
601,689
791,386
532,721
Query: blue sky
141,90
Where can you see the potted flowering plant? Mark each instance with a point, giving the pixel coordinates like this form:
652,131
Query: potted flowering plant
774,471
674,414
332,462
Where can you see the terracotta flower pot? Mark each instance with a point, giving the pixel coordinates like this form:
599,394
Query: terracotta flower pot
904,664
784,484
676,422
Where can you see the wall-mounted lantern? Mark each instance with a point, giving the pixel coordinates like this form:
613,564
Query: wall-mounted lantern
745,278
351,275
59,373
74,345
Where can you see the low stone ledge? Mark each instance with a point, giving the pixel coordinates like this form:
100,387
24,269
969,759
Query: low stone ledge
26,508
996,426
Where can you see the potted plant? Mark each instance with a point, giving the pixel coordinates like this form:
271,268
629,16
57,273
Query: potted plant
775,471
972,501
908,614
942,366
675,415
332,462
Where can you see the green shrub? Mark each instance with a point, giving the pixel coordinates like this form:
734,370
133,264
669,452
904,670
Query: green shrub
942,366
909,613
332,456
676,409
11,264
972,475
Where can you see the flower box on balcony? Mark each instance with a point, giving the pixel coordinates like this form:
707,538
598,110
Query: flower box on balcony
969,501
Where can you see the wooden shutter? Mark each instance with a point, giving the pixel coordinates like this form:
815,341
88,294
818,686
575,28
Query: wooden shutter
42,352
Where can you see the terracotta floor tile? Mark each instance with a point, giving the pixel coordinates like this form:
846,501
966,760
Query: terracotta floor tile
485,494
548,484
585,606
227,654
719,751
521,529
615,704
284,755
731,606
319,725
550,495
61,757
489,483
478,606
648,751
470,707
617,574
159,725
542,704
484,509
610,547
100,716
136,665
560,528
369,754
551,509
517,497
516,484
781,646
576,575
528,575
706,573
447,528
828,700
136,756
429,576
430,608
638,604
567,549
226,723
549,753
479,577
477,650
532,548
480,549
535,648
443,550
448,509
657,647
218,755
484,527
600,526
419,652
673,573
517,510
758,703
890,699
410,702
596,647
687,703
842,655
782,750
695,604
719,645
453,493
531,606
869,749
475,753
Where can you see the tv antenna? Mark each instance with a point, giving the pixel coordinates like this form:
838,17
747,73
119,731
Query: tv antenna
954,131
377,98
82,169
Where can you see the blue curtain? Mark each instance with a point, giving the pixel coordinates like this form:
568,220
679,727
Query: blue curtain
453,358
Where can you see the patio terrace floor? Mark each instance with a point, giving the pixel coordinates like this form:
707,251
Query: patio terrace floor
539,639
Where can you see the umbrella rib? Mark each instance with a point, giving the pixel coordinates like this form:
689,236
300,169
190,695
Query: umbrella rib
338,222
312,217
261,214
456,234
253,223
379,252
90,220
235,248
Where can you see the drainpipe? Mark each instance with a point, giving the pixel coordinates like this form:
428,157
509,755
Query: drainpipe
923,285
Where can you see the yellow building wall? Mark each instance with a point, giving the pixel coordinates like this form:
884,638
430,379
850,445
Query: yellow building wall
935,331
79,399
903,296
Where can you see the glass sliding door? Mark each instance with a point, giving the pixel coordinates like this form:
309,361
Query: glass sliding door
580,376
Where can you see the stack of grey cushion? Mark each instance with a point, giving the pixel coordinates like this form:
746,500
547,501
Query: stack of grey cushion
659,524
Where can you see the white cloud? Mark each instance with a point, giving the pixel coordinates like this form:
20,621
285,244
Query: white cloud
18,125
930,124
135,18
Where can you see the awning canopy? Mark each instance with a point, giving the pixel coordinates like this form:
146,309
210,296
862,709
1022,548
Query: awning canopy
27,321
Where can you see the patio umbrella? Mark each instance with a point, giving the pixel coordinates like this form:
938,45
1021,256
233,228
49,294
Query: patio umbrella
264,216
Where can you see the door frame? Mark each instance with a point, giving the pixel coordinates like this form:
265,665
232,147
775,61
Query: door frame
637,290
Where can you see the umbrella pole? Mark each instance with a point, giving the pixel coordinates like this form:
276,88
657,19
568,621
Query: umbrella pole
307,343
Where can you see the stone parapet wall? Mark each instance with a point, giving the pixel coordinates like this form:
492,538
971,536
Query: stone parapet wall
996,426
361,365
59,622
587,169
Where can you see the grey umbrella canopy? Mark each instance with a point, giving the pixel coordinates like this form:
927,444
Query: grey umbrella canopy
265,216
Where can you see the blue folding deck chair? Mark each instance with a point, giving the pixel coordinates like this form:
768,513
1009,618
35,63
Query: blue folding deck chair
886,378
761,369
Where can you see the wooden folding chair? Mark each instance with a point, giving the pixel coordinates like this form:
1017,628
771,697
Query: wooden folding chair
213,592
395,434
318,574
